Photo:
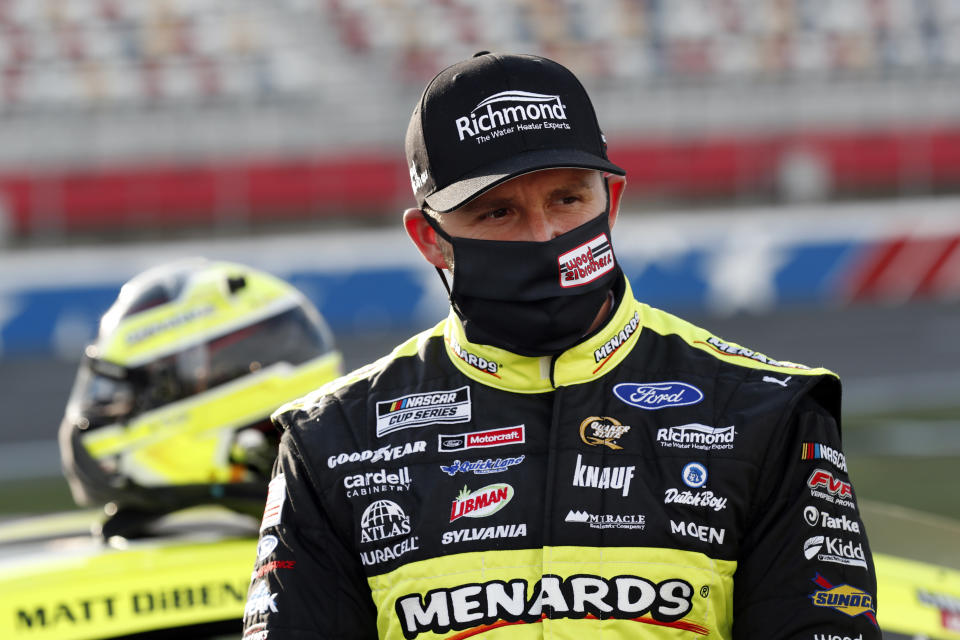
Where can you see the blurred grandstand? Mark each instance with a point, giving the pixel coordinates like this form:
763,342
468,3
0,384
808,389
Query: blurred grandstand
121,117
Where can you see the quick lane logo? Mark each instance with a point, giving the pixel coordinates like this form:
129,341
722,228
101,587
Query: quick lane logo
481,439
276,494
602,431
657,395
527,107
479,605
475,361
835,550
586,263
817,451
371,482
418,409
587,475
697,436
485,533
844,598
701,532
481,466
381,520
617,341
607,520
728,349
814,517
482,502
837,491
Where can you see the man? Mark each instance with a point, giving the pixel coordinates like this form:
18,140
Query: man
555,458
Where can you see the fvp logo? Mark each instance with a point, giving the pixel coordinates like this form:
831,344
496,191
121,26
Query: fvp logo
821,479
657,395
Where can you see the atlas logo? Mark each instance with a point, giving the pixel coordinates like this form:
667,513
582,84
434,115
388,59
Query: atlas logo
482,502
527,106
481,439
469,606
657,395
418,409
844,598
814,517
614,343
381,520
602,431
586,263
817,451
834,550
586,475
837,491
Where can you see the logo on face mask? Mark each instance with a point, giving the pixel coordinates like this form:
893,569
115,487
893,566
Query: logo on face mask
586,263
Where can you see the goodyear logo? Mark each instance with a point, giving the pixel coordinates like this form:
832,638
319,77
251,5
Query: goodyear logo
843,598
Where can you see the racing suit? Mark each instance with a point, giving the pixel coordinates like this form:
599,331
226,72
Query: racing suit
653,481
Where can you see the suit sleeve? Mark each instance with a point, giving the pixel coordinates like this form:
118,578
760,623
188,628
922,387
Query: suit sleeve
307,583
805,568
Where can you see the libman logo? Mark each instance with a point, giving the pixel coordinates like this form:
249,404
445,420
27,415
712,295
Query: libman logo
844,598
485,606
482,502
511,111
586,263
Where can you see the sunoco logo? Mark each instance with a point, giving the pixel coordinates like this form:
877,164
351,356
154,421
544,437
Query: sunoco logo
586,263
844,598
468,606
605,431
435,407
508,112
657,395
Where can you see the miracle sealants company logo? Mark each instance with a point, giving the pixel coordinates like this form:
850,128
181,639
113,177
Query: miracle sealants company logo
508,112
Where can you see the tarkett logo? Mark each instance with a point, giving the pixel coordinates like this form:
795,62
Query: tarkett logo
586,263
482,502
435,407
844,598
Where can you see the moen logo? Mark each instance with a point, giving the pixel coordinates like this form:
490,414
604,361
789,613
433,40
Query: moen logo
527,107
604,431
478,605
657,395
844,598
482,502
586,263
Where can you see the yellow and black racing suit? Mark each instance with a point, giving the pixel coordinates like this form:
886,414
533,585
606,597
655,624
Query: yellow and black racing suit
654,481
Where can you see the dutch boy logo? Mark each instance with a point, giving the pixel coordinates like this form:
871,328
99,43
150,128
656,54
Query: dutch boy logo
586,263
657,395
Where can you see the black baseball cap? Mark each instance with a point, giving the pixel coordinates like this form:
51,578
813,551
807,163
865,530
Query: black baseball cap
494,117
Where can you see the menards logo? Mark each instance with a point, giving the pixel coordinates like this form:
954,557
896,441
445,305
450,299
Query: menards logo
482,502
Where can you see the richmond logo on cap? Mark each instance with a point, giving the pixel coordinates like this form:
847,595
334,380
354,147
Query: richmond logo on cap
586,263
523,109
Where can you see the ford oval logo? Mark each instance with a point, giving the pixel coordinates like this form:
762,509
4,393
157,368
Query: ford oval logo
658,395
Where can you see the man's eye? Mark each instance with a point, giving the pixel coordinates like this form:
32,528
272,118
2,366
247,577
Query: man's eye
496,213
569,199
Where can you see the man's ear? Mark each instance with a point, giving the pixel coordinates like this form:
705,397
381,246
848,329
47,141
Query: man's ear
423,236
616,185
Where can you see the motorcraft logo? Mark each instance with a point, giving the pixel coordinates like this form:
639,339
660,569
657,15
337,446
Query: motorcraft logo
607,520
602,431
729,349
480,503
418,409
706,499
657,395
485,533
510,112
701,532
372,482
697,436
381,520
489,465
386,454
586,263
817,451
475,361
481,439
596,477
837,491
844,598
617,341
836,550
816,518
390,552
495,602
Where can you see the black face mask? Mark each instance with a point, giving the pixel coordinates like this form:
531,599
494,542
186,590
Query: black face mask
532,298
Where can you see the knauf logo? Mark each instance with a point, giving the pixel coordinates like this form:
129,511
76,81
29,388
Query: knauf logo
508,111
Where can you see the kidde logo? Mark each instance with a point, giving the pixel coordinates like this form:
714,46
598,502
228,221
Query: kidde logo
527,107
586,263
827,549
482,502
469,606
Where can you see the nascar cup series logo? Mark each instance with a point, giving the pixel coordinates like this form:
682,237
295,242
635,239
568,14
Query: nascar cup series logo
508,112
586,263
